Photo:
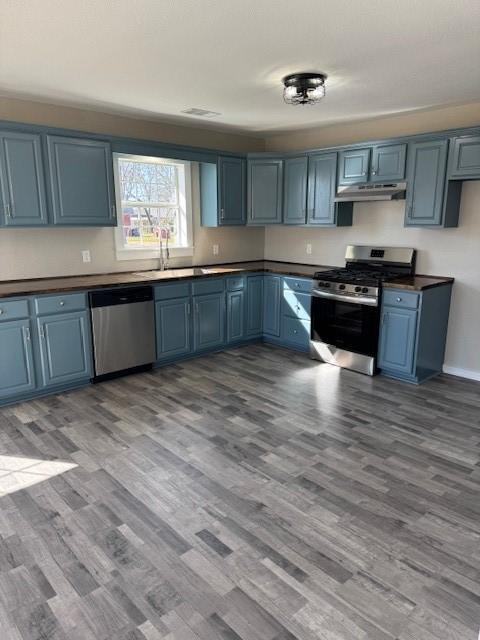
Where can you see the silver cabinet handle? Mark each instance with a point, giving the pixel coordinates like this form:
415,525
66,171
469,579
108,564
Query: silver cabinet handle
113,210
62,303
1,311
27,333
222,214
189,309
399,299
41,332
8,210
374,172
295,331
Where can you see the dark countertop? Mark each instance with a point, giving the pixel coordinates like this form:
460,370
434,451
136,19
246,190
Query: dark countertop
11,288
86,282
417,282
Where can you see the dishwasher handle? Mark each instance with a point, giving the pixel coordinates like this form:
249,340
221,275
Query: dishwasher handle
122,295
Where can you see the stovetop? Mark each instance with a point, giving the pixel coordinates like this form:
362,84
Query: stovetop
365,277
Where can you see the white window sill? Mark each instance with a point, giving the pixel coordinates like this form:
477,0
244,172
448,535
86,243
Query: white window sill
152,254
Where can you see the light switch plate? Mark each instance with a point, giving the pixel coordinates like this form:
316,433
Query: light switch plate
308,249
86,257
215,248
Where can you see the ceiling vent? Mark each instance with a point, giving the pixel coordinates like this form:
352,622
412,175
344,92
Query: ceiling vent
201,113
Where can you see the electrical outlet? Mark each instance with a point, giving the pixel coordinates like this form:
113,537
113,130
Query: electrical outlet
215,249
308,249
86,257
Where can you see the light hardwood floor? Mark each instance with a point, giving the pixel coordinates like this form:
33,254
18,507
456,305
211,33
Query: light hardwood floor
247,495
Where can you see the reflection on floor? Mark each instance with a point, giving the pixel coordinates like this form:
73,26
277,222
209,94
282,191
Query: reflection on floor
248,495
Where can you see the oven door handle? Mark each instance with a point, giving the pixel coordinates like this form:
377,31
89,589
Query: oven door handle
342,297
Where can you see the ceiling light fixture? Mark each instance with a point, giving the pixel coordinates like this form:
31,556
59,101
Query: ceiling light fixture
304,88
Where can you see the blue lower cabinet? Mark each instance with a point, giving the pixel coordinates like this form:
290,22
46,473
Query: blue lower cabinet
17,375
235,316
64,348
397,344
209,321
272,290
295,332
172,319
254,314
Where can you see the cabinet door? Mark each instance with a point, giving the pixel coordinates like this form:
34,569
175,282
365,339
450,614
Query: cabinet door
426,168
81,174
465,163
354,166
271,305
64,348
295,190
22,180
388,162
397,339
232,188
321,188
209,321
173,328
265,188
254,305
16,361
235,316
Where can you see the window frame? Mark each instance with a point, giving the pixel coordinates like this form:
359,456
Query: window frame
149,253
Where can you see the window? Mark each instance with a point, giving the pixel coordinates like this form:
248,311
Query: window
153,205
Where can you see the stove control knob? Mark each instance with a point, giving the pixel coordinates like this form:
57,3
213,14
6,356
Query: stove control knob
341,287
326,285
358,289
365,290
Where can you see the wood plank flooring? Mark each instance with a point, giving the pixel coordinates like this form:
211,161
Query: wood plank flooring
252,494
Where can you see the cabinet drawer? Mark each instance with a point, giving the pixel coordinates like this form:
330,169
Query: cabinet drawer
296,332
209,285
296,304
13,309
236,283
169,291
297,284
398,298
59,304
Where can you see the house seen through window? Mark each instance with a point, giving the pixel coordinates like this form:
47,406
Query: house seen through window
153,203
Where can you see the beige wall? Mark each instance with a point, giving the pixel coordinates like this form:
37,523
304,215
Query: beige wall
405,124
450,252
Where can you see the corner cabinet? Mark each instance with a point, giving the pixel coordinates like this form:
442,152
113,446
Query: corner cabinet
322,208
413,332
223,190
264,191
81,180
22,180
465,158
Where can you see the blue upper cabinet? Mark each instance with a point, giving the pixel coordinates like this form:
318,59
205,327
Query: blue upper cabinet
426,169
295,190
232,190
322,208
353,166
388,162
464,161
223,192
22,182
81,175
64,348
265,191
271,304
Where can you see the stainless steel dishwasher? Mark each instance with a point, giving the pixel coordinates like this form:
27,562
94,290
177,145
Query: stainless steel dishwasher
123,324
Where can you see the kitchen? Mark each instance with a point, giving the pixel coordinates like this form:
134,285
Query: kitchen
239,352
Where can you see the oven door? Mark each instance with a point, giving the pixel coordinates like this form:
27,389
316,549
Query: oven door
347,325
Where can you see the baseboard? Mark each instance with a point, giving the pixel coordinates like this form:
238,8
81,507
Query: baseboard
470,374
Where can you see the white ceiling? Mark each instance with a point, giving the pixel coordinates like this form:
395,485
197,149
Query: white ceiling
156,58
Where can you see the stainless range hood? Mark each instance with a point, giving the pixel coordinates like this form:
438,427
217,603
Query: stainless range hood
369,191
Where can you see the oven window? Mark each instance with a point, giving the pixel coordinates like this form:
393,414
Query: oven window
346,325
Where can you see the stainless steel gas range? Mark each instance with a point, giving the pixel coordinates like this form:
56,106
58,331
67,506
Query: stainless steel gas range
346,305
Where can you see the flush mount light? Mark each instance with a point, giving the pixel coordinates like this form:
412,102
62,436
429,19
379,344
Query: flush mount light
304,88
